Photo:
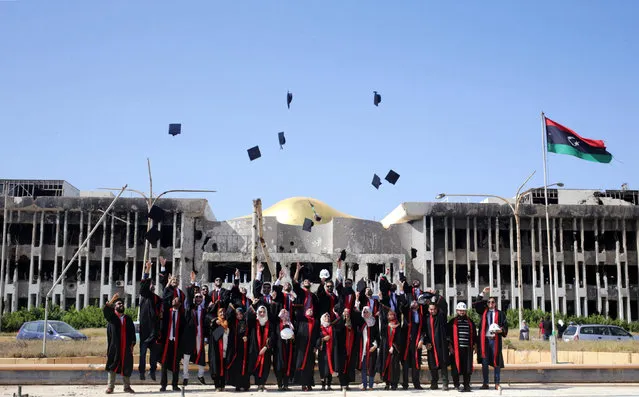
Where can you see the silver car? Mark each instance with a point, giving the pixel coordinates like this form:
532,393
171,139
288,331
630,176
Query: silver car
595,332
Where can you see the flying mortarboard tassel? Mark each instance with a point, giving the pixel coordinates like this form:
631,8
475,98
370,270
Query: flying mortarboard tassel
317,217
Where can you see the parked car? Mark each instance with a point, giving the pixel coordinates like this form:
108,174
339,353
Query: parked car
57,330
595,332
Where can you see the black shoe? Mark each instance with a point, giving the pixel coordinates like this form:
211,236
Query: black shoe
201,379
467,389
176,388
460,389
152,375
433,387
418,387
387,387
394,387
185,382
405,387
484,387
163,388
142,376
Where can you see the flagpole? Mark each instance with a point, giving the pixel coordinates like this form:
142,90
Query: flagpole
551,264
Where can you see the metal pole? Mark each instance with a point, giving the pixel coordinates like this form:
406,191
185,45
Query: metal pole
64,271
4,245
254,241
551,263
519,267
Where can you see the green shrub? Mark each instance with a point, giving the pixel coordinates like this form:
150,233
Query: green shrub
88,317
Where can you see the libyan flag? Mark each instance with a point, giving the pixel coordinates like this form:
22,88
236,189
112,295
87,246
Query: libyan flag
563,140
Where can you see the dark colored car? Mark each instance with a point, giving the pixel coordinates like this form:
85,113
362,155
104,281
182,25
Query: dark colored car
58,330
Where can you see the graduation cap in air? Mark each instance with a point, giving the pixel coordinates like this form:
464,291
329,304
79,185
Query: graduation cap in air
392,177
289,99
281,138
156,213
254,153
308,224
376,181
376,98
318,218
413,253
342,255
153,235
175,129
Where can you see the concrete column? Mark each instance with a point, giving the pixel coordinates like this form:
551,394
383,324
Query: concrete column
432,247
514,293
533,255
577,278
476,281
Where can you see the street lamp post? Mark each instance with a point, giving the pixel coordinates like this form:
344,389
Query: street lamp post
515,210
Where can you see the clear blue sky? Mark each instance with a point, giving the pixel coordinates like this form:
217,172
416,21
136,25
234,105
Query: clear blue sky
88,88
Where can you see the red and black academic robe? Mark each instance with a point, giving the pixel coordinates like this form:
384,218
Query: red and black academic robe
171,355
149,317
347,339
326,301
217,365
306,334
195,328
261,336
219,297
327,352
372,335
387,363
412,334
171,292
120,342
347,298
237,356
464,365
496,359
437,335
284,355
365,301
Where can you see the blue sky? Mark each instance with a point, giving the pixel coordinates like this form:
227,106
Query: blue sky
88,88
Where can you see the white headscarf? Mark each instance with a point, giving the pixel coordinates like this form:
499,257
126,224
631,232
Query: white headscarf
326,320
285,320
368,316
262,319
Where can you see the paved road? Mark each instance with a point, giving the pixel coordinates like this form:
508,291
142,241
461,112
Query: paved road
196,391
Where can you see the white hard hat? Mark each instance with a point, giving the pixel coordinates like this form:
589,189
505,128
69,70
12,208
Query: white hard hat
324,274
286,333
461,306
494,327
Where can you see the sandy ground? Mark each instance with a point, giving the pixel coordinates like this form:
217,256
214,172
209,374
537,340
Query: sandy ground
196,391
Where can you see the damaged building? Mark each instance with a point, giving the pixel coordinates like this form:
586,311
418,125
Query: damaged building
457,248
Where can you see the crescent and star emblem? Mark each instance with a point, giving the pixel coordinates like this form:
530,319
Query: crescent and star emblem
573,141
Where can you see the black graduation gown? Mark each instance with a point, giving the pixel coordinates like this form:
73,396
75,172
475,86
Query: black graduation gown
497,358
326,301
347,339
372,335
412,334
454,340
306,335
237,356
327,351
120,342
171,356
217,365
284,354
149,317
387,363
437,335
188,343
347,299
261,336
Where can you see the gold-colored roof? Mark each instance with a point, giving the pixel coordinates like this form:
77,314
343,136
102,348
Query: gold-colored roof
292,211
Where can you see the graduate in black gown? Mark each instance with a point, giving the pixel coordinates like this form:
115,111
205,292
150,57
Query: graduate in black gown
120,343
327,351
306,336
172,332
262,342
284,355
368,346
412,333
436,340
390,350
346,330
237,357
219,335
462,333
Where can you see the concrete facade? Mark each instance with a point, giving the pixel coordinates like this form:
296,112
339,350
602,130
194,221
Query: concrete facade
457,248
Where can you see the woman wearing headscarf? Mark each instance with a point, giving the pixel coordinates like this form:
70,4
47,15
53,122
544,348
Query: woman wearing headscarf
306,337
219,334
368,344
347,340
284,355
390,350
237,359
262,338
327,351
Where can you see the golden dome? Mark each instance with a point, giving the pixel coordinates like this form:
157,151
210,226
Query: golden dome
292,211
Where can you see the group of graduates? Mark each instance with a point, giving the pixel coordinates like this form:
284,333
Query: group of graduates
287,328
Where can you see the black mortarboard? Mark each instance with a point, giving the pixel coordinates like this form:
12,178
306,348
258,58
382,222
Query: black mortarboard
308,224
413,253
218,333
281,138
376,181
392,177
376,98
156,213
254,153
175,129
342,255
289,99
153,235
